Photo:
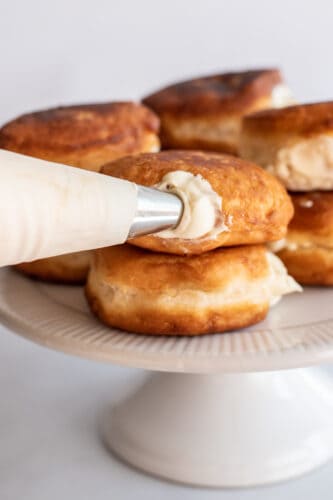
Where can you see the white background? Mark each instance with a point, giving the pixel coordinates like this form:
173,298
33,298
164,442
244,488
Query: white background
67,51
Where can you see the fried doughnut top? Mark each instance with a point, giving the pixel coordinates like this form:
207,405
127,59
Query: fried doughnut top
255,206
228,93
301,120
84,135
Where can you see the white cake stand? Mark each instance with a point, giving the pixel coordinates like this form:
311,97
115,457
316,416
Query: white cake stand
223,409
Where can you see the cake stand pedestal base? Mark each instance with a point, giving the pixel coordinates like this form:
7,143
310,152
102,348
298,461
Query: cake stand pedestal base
231,430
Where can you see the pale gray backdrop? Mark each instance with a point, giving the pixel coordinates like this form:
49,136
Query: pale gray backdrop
72,51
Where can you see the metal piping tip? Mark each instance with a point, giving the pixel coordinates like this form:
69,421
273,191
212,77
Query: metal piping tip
156,210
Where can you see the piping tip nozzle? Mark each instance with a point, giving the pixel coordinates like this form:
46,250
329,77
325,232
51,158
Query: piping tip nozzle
156,211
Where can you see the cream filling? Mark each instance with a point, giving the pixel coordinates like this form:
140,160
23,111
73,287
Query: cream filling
155,145
281,96
306,165
202,215
279,282
155,149
286,244
277,246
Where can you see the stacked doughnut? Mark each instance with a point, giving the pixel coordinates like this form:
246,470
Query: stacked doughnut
84,136
211,276
296,145
206,113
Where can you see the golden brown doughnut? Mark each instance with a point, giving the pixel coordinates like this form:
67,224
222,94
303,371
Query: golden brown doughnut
70,268
293,143
84,136
255,206
309,266
159,294
206,113
307,250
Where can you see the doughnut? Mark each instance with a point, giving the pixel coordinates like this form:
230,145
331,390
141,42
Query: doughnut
294,143
158,294
206,113
70,268
84,136
307,250
252,206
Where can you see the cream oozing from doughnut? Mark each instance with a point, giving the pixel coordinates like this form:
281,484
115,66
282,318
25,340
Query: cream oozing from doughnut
202,215
281,96
305,165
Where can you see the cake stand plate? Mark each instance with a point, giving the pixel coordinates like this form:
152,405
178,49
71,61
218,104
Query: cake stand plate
223,410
